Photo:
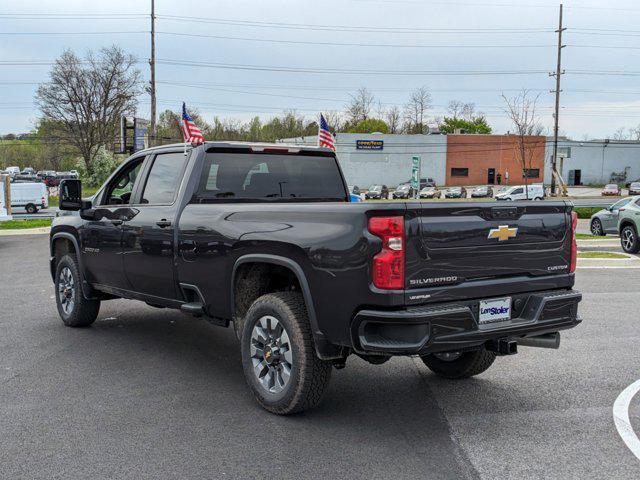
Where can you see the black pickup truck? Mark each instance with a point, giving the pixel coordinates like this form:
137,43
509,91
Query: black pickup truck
264,237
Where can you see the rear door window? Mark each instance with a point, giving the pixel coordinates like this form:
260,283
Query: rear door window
269,177
164,179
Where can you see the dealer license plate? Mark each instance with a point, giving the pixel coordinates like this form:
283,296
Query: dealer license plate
495,310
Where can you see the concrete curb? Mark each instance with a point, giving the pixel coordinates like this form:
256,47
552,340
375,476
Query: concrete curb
25,231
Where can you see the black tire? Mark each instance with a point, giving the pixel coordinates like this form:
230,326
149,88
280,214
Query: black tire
308,376
596,228
75,310
629,239
466,365
31,208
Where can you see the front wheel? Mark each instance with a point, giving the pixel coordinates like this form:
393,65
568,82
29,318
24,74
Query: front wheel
278,355
629,240
456,365
74,309
31,208
596,228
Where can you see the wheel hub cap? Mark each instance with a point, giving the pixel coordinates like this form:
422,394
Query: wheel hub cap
271,354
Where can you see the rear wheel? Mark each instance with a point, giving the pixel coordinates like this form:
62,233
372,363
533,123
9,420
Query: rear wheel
457,364
74,309
596,228
278,355
629,239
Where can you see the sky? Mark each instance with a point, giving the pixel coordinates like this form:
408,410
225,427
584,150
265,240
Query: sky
467,50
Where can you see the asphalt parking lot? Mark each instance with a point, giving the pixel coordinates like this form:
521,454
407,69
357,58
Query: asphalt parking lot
150,393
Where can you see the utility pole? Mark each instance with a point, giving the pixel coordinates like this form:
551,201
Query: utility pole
152,86
558,74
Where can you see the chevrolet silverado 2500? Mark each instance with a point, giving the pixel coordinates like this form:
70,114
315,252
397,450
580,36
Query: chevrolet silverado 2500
263,237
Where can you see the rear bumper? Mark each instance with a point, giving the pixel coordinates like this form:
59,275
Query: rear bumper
454,326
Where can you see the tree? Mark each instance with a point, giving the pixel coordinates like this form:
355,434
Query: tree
393,117
370,125
474,125
359,108
460,110
89,97
521,110
415,110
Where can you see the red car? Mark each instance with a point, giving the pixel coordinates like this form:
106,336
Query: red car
611,189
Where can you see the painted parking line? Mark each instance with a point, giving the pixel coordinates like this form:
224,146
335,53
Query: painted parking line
621,418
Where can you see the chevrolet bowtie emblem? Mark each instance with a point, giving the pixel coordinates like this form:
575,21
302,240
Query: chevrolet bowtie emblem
503,232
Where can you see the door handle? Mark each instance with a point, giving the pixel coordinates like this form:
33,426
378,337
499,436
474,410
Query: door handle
163,223
116,221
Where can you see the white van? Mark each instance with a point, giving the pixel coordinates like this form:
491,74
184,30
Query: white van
13,171
519,192
29,196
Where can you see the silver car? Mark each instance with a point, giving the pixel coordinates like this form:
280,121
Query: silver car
606,220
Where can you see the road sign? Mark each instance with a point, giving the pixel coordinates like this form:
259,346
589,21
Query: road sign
415,172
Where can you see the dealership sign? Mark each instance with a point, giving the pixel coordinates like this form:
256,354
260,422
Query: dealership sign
416,163
369,144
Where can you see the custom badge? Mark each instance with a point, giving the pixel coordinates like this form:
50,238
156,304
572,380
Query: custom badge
503,232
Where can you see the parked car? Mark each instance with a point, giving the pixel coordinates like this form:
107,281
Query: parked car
354,189
25,177
628,183
455,192
606,220
629,226
54,180
13,170
534,191
305,278
403,191
611,189
74,173
28,171
482,192
374,193
634,188
29,197
424,182
430,192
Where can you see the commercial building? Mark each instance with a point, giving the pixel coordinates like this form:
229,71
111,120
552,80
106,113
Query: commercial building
595,162
376,159
461,159
493,159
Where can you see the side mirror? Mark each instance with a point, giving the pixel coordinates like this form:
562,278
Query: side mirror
70,195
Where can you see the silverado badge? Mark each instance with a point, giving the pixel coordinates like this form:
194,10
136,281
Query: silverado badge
503,232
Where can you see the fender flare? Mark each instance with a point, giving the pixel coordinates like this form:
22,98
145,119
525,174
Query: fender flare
86,288
324,348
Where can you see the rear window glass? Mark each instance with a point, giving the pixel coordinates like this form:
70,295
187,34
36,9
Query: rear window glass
252,176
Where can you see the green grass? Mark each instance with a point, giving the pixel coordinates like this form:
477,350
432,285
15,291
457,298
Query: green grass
586,212
601,255
588,236
86,192
22,224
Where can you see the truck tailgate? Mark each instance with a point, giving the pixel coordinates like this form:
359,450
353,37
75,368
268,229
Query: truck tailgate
456,244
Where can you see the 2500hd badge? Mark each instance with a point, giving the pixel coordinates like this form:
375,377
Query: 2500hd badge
263,238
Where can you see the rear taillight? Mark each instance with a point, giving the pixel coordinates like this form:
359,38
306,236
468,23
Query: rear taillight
388,264
574,245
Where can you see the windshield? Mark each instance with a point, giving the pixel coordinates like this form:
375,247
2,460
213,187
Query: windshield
620,204
611,186
635,185
428,189
455,189
403,187
376,188
270,177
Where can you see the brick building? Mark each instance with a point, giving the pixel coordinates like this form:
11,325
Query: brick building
485,159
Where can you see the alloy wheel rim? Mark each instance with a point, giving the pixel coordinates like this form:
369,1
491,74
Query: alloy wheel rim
66,290
628,239
271,354
595,227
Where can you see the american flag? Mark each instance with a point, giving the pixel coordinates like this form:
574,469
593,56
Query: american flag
190,130
325,138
